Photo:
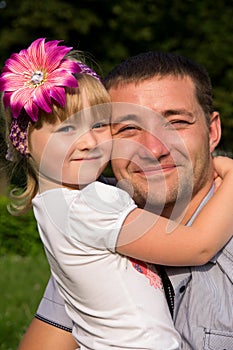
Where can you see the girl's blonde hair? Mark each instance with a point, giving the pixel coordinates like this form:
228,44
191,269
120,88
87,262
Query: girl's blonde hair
95,93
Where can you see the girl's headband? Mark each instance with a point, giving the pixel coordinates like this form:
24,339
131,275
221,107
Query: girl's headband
32,79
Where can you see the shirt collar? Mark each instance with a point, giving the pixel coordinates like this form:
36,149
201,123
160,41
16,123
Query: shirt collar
202,204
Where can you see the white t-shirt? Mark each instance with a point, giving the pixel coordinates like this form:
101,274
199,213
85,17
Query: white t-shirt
113,301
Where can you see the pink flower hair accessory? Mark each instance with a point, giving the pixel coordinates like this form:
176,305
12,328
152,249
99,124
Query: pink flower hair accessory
32,79
34,76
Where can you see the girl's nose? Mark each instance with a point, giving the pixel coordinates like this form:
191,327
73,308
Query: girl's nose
86,141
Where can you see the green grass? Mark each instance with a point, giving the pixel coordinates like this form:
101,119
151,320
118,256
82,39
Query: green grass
22,282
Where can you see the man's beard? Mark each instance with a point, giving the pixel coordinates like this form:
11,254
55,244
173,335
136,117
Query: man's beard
169,201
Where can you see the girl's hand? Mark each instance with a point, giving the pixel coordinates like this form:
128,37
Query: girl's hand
223,166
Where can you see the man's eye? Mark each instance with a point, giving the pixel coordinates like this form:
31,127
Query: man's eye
177,122
127,128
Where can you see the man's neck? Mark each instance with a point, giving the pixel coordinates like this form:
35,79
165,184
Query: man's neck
197,204
185,213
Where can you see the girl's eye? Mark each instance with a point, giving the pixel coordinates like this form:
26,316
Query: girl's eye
66,128
100,125
128,128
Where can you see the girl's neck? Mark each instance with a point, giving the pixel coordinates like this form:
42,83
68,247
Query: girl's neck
46,185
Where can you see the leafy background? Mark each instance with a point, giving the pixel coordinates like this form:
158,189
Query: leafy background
112,30
108,31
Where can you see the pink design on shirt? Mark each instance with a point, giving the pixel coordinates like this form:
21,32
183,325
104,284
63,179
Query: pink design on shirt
149,271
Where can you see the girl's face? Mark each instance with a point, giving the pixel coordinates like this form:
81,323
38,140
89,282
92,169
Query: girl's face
72,153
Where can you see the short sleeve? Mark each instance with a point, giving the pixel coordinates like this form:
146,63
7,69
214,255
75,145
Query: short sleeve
97,215
52,308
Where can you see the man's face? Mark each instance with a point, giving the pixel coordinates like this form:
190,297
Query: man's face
162,144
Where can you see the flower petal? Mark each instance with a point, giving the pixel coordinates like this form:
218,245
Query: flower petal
58,94
32,109
61,78
7,99
53,58
18,99
11,82
36,53
42,98
71,66
16,64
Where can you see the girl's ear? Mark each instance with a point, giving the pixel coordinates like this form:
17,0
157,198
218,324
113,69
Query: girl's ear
214,131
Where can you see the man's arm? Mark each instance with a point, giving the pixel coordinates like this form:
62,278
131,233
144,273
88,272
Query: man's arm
41,335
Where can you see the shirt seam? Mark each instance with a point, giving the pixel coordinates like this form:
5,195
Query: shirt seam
43,319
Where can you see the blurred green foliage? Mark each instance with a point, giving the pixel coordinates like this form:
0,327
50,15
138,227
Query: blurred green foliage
18,235
22,282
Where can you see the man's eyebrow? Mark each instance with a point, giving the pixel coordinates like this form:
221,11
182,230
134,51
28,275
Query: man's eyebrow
124,118
178,111
132,117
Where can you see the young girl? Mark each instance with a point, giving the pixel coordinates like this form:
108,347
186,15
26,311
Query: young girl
59,123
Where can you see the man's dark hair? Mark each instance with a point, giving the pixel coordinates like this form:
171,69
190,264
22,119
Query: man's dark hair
147,65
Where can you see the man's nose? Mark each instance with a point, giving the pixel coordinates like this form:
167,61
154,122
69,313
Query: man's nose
153,145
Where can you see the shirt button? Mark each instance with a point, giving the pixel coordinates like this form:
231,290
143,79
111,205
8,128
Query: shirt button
182,289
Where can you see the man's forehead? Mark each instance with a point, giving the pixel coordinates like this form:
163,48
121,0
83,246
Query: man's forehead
123,111
154,91
159,95
148,85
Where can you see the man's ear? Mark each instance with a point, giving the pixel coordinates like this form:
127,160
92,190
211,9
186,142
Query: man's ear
214,130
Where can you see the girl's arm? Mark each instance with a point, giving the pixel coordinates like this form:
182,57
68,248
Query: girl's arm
149,237
42,335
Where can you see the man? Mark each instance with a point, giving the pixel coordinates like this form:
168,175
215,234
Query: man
180,91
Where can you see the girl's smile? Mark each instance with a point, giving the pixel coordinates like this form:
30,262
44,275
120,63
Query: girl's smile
71,153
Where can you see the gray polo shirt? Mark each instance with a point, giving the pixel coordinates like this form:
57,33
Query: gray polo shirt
203,312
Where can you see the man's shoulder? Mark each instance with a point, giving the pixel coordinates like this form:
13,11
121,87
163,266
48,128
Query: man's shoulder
225,259
228,249
52,310
107,180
